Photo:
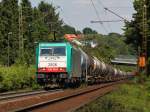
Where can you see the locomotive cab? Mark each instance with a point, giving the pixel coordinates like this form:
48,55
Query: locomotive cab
58,64
51,63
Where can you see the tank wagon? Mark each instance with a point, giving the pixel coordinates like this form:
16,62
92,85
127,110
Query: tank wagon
65,64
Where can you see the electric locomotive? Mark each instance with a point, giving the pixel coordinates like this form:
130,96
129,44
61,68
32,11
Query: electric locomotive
58,63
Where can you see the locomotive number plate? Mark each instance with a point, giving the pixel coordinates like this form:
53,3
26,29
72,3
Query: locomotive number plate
52,64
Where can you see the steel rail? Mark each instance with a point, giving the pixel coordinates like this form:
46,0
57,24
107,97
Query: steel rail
17,92
47,103
24,94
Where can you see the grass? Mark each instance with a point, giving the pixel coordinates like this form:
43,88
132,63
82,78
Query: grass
128,98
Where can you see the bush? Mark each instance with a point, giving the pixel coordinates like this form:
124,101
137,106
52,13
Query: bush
16,77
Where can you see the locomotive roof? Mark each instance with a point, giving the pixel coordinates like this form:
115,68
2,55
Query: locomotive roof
53,43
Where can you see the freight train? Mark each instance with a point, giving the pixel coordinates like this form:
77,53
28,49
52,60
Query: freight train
64,64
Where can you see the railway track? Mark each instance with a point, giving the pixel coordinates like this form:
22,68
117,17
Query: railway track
64,103
14,95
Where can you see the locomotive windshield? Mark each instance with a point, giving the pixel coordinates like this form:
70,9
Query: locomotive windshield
53,51
59,51
46,52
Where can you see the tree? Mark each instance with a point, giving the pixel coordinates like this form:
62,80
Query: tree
134,29
37,24
8,30
50,17
114,35
66,29
40,30
88,30
78,32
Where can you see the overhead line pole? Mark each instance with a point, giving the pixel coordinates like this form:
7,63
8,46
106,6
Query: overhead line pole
20,31
144,42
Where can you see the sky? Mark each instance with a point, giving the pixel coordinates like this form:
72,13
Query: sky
80,13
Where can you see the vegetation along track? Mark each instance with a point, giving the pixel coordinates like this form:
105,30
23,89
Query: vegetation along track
73,100
14,95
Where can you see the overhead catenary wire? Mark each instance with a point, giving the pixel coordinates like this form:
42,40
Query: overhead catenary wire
97,14
127,7
116,14
101,3
107,21
124,19
108,24
107,9
66,19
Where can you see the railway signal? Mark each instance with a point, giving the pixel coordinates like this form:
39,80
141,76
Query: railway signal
142,61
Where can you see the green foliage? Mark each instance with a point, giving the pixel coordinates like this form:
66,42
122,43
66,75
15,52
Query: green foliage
128,98
17,77
109,46
66,29
134,29
37,25
8,29
88,30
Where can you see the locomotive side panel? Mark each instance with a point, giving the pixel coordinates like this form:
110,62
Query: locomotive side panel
76,63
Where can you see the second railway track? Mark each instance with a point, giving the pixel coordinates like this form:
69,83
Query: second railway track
13,95
68,102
